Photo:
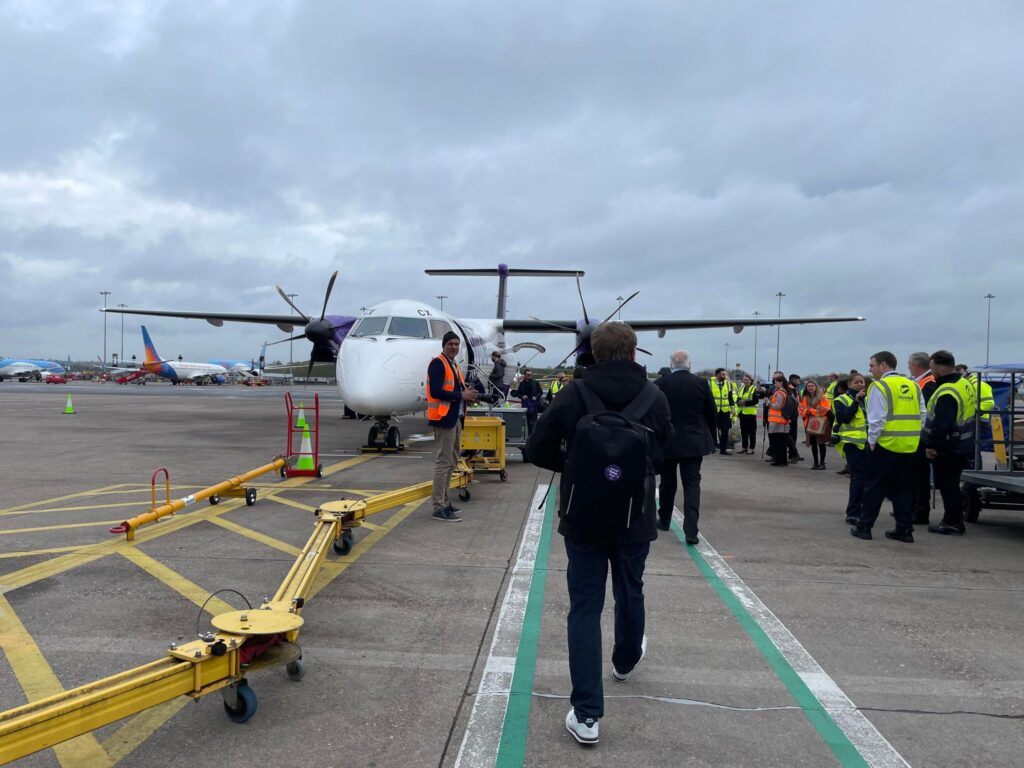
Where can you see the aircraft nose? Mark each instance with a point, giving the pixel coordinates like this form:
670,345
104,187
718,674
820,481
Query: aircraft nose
377,378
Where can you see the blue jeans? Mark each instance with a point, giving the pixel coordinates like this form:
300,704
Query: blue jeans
586,577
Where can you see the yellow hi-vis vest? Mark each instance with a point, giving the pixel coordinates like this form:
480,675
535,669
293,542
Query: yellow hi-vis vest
855,432
964,392
748,394
555,388
720,394
986,402
902,430
830,391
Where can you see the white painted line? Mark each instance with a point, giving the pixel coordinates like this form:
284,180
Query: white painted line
871,744
483,732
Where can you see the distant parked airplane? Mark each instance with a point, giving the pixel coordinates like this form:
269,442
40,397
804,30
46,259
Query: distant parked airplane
24,369
181,370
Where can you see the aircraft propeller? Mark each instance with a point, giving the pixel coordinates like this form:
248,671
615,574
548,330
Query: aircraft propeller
318,330
586,327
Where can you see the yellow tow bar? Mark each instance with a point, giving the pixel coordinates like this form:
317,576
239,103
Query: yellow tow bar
214,661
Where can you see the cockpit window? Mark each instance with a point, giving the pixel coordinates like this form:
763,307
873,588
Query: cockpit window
411,327
438,328
370,326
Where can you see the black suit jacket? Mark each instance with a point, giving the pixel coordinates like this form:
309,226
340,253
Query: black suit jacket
693,415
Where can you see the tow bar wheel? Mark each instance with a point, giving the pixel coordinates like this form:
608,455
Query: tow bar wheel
239,702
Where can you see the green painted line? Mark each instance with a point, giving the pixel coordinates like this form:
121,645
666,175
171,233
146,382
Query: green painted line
512,748
844,750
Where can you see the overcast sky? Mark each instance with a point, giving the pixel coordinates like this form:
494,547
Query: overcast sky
863,158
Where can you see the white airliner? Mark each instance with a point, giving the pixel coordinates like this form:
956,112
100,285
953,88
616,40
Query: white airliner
382,356
180,370
24,368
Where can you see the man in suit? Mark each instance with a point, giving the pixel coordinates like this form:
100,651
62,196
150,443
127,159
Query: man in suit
694,420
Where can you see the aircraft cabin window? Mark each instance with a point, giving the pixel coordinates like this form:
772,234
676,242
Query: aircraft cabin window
438,328
411,327
370,326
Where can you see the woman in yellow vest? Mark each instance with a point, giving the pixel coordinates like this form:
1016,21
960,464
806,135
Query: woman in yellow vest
851,429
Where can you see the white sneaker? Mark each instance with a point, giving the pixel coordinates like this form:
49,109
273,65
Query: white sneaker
624,676
585,732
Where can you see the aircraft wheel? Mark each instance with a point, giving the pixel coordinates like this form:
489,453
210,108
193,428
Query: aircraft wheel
371,437
464,494
214,500
394,438
250,496
972,503
245,704
343,544
296,670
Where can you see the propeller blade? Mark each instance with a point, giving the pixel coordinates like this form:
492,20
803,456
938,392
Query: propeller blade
309,371
290,304
300,337
566,358
619,308
330,287
638,349
579,289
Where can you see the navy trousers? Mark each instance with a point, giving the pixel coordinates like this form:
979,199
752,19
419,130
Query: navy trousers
888,475
689,473
586,577
856,460
724,425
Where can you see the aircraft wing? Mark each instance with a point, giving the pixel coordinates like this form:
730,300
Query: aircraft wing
737,324
286,323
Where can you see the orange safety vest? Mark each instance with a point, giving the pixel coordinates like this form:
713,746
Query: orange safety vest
438,409
775,415
929,379
806,411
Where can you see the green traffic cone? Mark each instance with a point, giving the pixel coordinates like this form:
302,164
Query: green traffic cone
305,451
300,422
69,408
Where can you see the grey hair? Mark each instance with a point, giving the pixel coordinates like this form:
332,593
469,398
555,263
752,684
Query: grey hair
920,359
679,360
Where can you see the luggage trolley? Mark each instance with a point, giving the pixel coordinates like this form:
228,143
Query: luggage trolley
307,457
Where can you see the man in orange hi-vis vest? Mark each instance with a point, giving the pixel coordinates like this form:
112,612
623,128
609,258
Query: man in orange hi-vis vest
446,392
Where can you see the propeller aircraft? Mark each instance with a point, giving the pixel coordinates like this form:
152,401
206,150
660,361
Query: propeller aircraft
381,356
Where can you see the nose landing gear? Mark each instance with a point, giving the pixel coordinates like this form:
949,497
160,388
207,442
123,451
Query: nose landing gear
383,437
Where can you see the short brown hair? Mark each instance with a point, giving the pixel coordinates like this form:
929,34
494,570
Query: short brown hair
611,342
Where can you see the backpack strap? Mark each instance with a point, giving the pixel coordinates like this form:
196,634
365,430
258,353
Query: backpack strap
642,403
590,399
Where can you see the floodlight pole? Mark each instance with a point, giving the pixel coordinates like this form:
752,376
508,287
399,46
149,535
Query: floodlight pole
778,331
122,306
727,358
104,294
619,300
988,324
756,315
441,298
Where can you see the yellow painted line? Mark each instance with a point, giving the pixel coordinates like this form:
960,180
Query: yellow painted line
333,468
98,523
332,569
372,526
263,538
30,553
134,733
142,504
37,679
177,582
54,500
296,504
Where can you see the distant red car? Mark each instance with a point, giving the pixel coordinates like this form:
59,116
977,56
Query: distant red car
56,378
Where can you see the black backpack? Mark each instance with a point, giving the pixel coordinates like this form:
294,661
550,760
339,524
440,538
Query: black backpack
790,409
609,462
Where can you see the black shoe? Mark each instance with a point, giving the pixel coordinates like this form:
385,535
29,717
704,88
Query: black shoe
862,532
779,464
843,471
453,508
921,520
948,530
852,520
447,515
822,466
662,526
726,453
691,540
907,537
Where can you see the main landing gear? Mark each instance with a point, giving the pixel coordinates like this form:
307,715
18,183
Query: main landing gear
383,437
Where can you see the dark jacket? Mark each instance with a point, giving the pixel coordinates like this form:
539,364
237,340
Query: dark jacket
435,380
940,428
693,415
616,384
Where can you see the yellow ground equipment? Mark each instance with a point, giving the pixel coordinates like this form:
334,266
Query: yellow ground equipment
214,662
483,444
233,488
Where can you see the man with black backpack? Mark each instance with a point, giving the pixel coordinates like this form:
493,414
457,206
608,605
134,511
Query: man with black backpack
614,425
